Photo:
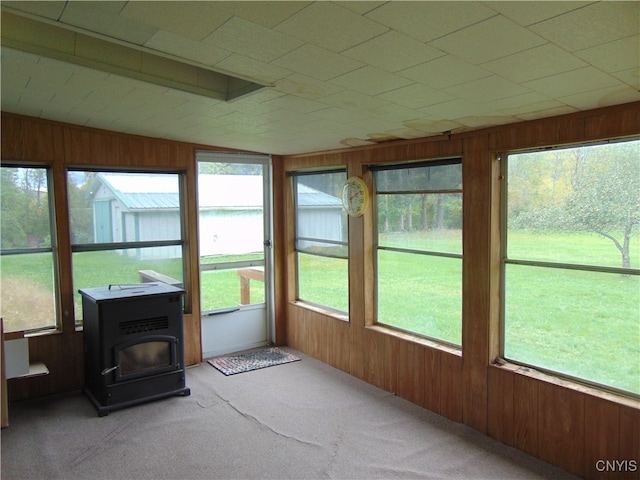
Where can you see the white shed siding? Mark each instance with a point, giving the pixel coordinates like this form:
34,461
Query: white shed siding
228,232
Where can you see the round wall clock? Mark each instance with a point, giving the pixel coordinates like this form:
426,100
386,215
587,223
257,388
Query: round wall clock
355,196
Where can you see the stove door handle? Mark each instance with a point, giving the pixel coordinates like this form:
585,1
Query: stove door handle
108,370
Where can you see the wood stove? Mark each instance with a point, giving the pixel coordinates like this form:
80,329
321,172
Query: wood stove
133,344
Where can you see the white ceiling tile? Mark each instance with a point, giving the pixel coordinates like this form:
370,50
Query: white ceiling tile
305,87
104,18
426,21
186,48
370,81
392,51
267,14
457,108
296,104
316,62
573,82
444,72
432,126
530,12
416,96
321,99
614,56
339,115
487,89
518,102
535,106
191,19
398,113
50,9
490,39
603,97
546,112
251,40
330,26
534,63
592,25
350,100
631,77
250,69
360,6
489,120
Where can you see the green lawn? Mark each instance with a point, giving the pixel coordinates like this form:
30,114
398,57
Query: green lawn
583,324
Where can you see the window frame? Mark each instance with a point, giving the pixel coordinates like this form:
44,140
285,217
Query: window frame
341,314
503,158
458,160
110,246
56,326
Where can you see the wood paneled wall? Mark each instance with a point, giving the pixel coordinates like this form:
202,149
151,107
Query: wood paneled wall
565,424
39,142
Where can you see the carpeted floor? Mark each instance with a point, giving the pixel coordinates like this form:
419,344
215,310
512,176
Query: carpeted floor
302,420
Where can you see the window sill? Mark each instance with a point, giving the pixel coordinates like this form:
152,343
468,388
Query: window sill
416,339
322,310
533,374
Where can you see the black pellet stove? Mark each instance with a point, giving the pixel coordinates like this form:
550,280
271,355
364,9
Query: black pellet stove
133,344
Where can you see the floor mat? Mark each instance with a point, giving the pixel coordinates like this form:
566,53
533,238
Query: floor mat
247,362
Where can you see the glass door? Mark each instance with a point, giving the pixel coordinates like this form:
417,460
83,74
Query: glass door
234,234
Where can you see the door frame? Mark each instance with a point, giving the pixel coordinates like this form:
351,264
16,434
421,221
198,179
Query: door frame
213,338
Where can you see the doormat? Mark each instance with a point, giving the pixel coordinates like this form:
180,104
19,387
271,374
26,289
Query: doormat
252,361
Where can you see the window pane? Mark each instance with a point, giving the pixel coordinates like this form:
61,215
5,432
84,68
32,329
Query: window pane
323,281
428,222
435,177
575,207
584,324
224,288
123,207
125,266
322,240
421,294
578,205
25,219
319,214
27,298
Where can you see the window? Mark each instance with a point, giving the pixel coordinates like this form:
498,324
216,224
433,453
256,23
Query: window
28,300
419,248
571,263
126,228
321,239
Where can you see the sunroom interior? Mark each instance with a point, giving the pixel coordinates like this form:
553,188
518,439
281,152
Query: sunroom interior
467,125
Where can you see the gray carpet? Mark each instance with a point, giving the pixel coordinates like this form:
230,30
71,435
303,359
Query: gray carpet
302,420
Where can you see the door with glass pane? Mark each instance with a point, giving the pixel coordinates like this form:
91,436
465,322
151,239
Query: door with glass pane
234,232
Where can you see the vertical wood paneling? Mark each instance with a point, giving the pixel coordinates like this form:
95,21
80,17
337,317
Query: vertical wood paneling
602,436
391,363
12,138
411,372
340,346
375,358
525,414
561,427
629,442
501,405
451,387
432,379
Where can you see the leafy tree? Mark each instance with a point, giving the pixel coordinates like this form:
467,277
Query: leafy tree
606,197
25,208
595,188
